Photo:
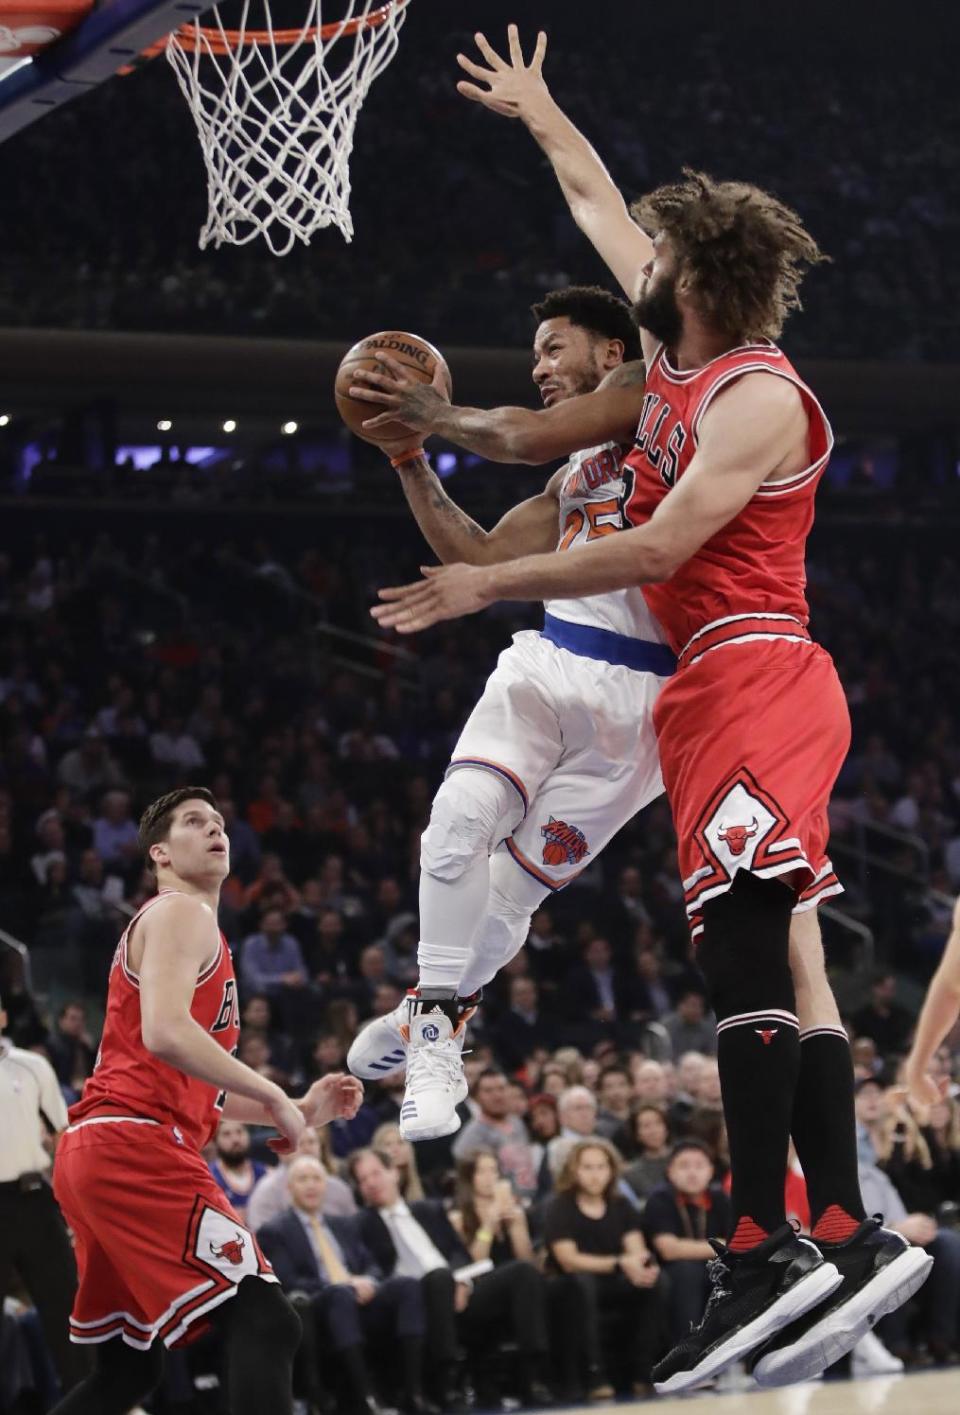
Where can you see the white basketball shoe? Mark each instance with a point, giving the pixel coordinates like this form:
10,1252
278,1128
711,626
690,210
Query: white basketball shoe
379,1049
436,1083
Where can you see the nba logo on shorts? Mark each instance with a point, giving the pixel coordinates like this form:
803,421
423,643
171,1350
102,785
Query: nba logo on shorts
430,1032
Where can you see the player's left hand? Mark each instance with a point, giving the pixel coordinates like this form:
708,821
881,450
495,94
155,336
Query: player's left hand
333,1097
445,592
408,401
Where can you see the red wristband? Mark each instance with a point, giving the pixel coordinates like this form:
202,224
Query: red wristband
410,455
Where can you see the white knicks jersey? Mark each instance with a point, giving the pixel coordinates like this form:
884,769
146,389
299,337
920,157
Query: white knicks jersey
590,507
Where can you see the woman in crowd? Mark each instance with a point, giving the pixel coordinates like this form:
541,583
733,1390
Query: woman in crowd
942,1134
488,1216
387,1137
593,1239
651,1135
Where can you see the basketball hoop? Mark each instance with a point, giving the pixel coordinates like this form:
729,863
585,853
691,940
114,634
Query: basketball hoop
275,111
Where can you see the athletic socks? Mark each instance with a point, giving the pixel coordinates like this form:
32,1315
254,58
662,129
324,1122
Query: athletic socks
824,1132
759,1059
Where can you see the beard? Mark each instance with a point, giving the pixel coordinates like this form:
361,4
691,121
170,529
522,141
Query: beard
658,313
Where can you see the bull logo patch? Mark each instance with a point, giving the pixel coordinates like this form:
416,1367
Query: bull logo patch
766,1034
736,836
563,844
739,824
231,1251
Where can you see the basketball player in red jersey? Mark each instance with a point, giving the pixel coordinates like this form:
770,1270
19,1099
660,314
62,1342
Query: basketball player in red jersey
729,445
159,1250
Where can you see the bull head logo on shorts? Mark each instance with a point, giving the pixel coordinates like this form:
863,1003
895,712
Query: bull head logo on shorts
231,1251
735,837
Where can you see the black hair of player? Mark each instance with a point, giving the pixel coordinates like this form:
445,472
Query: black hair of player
157,818
594,309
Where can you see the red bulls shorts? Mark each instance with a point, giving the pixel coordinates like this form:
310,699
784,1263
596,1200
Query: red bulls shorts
158,1247
752,736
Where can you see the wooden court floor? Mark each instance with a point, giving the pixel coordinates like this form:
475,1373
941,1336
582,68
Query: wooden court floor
927,1393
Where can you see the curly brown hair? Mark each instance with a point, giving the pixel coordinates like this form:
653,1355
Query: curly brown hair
743,251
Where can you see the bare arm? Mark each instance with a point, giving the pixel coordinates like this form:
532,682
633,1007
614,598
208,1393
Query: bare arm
526,529
517,90
177,941
939,1014
671,1249
609,414
746,435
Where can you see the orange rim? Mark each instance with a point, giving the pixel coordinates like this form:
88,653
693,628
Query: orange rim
217,41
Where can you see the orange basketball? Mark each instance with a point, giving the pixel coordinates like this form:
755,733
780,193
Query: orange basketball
417,356
554,853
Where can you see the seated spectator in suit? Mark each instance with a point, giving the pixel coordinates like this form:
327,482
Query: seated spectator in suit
598,991
687,1094
343,1298
651,1149
418,1240
496,1128
594,1235
522,1028
614,1090
271,1194
233,1169
387,1137
679,1218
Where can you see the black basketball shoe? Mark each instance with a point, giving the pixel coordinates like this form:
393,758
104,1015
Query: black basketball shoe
754,1295
880,1270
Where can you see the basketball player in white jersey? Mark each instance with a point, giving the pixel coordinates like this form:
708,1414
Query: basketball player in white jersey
560,751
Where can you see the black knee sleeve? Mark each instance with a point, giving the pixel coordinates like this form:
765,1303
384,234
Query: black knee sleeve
262,1317
744,952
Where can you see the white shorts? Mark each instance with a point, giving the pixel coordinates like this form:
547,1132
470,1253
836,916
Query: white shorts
574,737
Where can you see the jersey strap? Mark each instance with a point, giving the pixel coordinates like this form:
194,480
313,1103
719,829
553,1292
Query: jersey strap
591,642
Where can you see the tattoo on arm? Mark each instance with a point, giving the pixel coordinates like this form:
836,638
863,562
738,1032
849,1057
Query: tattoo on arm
441,503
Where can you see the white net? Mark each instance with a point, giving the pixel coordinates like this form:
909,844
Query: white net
276,111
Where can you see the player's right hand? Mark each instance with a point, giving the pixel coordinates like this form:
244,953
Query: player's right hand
288,1119
513,89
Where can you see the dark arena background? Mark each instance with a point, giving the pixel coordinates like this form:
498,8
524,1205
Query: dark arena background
191,543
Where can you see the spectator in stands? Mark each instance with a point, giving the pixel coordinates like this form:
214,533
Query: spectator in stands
71,1048
680,1216
115,833
882,1018
593,1233
486,1213
523,1028
651,1149
246,853
271,961
494,1128
233,1169
257,1020
174,749
419,1241
271,882
689,1026
52,845
577,1113
271,1193
597,990
342,1296
942,1133
89,768
689,1074
653,996
649,1081
387,1140
613,1102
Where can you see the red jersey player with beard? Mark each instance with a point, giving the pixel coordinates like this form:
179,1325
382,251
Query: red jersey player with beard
729,445
159,1250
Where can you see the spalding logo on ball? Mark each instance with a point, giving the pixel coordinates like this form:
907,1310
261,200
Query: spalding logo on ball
420,361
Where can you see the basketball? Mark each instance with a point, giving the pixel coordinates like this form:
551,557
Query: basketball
417,356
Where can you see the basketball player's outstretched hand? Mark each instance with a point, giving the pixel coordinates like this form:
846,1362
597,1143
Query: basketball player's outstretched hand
413,403
333,1097
445,592
288,1119
514,88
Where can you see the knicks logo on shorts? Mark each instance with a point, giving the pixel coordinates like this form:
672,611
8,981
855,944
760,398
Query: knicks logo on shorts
563,844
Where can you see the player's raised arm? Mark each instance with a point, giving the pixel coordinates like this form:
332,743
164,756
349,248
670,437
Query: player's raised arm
744,437
177,943
518,90
609,414
939,1014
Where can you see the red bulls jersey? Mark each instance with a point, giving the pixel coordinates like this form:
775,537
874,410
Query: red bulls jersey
751,573
130,1080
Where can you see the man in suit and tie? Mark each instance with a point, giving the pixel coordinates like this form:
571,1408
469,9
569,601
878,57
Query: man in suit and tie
343,1296
418,1240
